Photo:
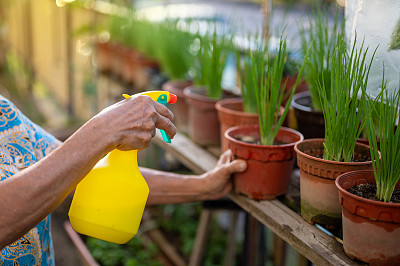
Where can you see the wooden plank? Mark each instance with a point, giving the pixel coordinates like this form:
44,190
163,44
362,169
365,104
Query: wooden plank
308,240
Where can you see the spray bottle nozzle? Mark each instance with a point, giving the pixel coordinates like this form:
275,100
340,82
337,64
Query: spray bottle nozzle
172,98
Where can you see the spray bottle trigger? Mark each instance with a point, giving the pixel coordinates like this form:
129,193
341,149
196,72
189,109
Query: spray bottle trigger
163,100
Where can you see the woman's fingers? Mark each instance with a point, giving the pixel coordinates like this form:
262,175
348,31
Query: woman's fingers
164,111
165,124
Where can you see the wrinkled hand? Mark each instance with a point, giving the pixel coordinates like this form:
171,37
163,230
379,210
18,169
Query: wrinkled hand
218,181
132,123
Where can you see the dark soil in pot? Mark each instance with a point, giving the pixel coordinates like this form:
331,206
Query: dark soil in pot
368,191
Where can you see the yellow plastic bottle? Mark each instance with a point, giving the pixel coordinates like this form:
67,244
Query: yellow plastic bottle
109,202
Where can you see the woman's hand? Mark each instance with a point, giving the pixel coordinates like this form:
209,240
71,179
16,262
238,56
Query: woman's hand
218,181
131,124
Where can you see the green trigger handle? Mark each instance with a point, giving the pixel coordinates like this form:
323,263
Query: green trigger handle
163,100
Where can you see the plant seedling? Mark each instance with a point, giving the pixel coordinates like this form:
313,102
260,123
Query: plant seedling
348,78
267,77
386,165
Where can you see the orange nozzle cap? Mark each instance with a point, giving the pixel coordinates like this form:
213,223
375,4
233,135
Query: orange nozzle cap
172,98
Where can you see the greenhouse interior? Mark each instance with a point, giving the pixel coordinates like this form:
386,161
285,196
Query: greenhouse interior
198,132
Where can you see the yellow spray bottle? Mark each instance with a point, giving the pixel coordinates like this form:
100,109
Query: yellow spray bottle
109,202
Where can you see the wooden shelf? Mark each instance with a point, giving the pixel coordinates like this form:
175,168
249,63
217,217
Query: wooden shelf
310,241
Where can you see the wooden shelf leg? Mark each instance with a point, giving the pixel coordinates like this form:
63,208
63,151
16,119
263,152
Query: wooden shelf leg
254,245
279,253
196,258
231,245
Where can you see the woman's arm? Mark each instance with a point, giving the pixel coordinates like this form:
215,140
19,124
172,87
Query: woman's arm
176,188
30,195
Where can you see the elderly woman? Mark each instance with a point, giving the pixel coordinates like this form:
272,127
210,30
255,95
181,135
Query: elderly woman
37,171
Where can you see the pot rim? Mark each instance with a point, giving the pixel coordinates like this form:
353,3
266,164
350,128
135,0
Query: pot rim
190,94
299,152
358,198
229,130
221,107
298,106
176,86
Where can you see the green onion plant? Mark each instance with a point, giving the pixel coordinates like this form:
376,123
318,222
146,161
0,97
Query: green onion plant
386,165
267,77
246,63
348,77
322,39
173,49
214,47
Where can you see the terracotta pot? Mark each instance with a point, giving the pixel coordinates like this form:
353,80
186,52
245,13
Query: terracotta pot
104,60
371,229
128,61
268,167
180,108
230,114
309,122
203,118
119,53
318,192
142,67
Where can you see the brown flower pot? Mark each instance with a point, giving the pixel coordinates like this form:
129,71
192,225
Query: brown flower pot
268,167
309,122
141,69
230,114
318,192
119,53
104,60
371,229
128,61
203,118
180,108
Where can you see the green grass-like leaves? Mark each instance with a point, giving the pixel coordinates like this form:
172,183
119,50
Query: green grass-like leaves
349,76
245,66
214,47
322,41
386,166
267,77
173,49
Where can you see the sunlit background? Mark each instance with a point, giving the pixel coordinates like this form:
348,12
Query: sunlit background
48,47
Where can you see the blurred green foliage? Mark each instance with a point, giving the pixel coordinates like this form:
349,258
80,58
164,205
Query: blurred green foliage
131,254
179,224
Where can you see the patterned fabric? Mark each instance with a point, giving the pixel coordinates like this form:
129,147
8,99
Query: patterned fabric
23,143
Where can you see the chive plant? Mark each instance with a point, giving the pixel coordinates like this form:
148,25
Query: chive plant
173,49
322,40
386,165
212,56
348,78
245,63
267,77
